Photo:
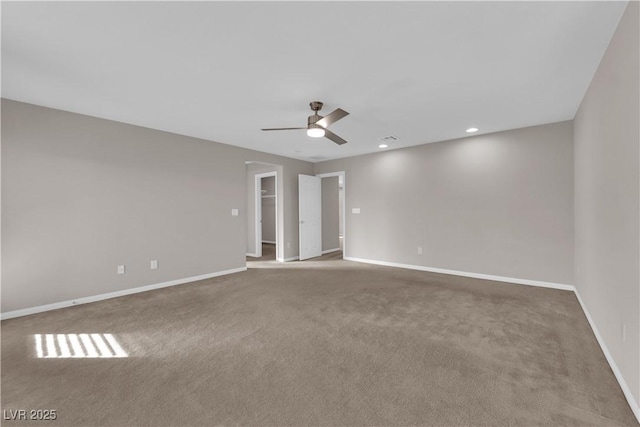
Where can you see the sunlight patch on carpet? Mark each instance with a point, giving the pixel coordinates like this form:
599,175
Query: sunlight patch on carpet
48,346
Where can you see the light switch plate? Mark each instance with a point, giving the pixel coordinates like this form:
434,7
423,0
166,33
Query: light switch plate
234,212
121,269
154,264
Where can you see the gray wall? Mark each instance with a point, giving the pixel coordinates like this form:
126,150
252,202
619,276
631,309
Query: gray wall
607,198
498,204
81,195
269,210
330,211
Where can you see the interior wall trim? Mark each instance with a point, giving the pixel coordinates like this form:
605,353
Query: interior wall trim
626,390
635,407
293,258
468,274
109,295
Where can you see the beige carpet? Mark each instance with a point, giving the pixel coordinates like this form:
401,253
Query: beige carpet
321,342
268,253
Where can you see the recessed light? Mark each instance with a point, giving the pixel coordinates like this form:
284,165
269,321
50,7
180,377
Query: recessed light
382,146
472,130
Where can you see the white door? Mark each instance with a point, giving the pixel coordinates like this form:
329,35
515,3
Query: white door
310,216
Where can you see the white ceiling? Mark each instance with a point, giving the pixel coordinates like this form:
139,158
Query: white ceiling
420,71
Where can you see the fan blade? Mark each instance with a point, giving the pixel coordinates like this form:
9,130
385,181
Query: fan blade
282,128
332,117
335,138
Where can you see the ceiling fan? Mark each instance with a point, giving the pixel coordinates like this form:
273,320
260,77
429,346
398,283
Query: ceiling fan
317,124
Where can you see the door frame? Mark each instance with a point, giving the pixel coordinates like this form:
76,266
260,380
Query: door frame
258,212
343,218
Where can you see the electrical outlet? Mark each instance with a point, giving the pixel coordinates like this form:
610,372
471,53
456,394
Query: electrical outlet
234,212
121,269
154,264
419,250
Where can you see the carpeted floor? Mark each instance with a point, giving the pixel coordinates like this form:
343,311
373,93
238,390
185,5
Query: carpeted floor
268,253
321,342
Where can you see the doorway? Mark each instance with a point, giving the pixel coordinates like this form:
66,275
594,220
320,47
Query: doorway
264,212
266,209
333,213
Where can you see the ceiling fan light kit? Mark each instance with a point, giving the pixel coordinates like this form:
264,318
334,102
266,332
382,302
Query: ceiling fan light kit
317,124
315,131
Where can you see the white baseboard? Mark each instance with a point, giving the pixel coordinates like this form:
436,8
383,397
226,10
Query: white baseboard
616,371
269,242
253,255
468,274
293,258
328,251
100,297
